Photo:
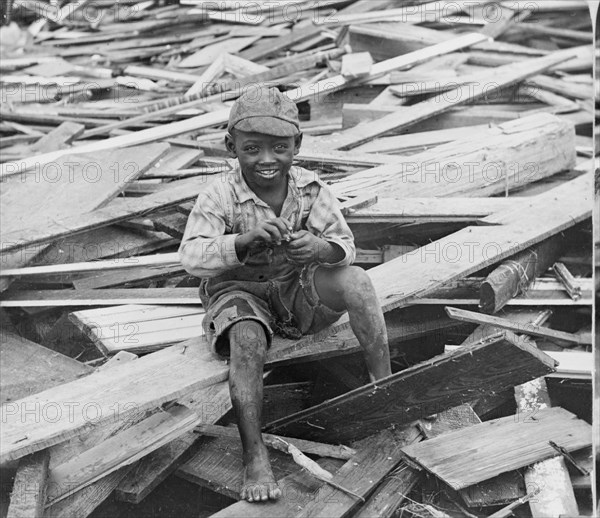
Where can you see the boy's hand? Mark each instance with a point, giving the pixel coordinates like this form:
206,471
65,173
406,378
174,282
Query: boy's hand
272,231
305,248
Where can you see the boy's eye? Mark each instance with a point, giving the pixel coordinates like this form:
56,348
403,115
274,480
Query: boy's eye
250,149
281,147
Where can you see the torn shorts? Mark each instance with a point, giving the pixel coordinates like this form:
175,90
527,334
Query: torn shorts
288,305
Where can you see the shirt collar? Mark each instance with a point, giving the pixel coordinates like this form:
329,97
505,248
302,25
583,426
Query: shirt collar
296,181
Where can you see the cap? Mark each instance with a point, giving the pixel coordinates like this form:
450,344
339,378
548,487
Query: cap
265,110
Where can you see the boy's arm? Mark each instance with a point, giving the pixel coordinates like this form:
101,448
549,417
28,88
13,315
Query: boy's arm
206,250
327,222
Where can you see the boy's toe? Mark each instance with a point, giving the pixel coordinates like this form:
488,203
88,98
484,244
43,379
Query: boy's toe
274,492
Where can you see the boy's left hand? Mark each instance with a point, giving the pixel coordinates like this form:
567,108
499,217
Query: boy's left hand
305,248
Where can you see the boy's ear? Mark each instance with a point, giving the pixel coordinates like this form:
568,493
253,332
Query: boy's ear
230,145
297,143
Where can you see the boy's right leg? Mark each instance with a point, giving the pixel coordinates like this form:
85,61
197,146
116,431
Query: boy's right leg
248,350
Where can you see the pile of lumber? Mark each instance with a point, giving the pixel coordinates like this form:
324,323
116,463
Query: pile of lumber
458,137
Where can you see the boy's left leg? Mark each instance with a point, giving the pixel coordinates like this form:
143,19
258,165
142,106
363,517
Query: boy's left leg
349,288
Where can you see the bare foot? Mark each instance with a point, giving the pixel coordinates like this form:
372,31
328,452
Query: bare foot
259,482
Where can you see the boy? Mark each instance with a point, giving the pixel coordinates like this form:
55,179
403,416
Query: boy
274,254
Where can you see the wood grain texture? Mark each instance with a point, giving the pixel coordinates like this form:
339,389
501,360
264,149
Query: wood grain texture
210,404
78,405
217,465
551,477
27,368
445,381
529,329
139,328
120,450
477,453
376,459
105,297
502,157
29,488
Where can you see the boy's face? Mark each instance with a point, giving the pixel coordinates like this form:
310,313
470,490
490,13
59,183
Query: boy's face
264,159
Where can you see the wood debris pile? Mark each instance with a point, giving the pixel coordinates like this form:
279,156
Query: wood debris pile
458,139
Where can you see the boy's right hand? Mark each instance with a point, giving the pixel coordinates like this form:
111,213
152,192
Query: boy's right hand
272,231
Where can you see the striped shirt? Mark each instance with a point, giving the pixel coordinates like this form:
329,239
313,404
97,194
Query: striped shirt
228,207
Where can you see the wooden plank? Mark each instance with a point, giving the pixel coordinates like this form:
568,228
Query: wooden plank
161,260
297,489
106,297
217,465
27,368
556,495
419,140
83,502
144,383
29,488
120,450
139,137
498,446
500,77
430,210
386,499
361,474
491,163
139,328
58,138
311,447
72,186
210,53
420,390
530,329
113,213
210,404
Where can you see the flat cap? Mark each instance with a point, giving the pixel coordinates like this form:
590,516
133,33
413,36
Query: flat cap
264,110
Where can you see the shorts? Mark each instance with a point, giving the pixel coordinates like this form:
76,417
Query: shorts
288,306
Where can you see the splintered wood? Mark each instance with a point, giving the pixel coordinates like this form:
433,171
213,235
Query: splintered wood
458,139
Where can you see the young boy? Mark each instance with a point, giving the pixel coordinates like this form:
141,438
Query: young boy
274,254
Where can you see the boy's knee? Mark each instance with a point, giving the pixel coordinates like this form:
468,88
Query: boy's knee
248,332
356,282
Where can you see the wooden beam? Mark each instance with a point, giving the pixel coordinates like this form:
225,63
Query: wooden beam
500,77
410,394
500,445
514,275
29,488
529,329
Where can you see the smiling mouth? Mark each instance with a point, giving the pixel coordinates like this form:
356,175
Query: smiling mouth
267,173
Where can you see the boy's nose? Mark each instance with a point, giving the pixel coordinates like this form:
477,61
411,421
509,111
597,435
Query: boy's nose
267,157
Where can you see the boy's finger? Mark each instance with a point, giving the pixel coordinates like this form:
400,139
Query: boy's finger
273,232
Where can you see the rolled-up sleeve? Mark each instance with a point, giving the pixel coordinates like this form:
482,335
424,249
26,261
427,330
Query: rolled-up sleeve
205,250
326,221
